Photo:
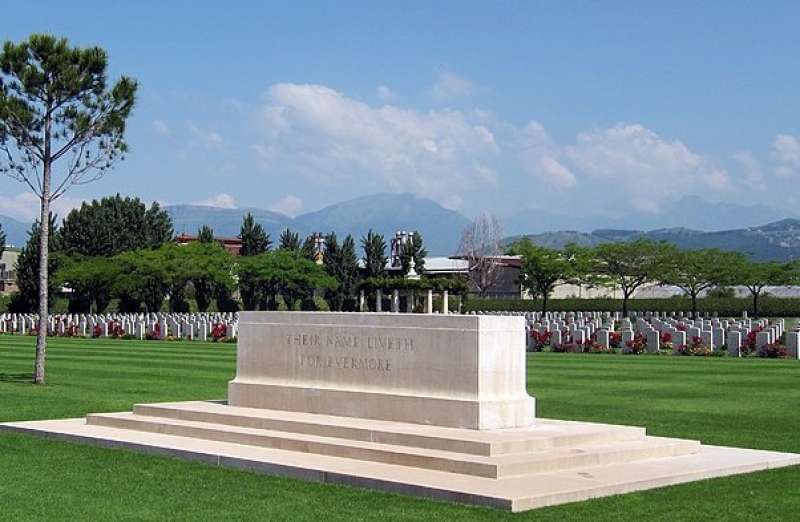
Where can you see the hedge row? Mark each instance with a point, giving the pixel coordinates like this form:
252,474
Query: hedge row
724,306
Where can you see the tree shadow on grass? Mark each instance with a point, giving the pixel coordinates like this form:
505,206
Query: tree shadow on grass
19,378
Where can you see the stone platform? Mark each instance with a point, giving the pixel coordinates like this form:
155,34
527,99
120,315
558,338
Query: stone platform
550,462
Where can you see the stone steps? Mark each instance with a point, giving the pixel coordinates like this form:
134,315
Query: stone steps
586,455
514,493
547,435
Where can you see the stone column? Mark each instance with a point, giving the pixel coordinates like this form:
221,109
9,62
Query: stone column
429,302
410,301
361,302
395,300
378,300
445,303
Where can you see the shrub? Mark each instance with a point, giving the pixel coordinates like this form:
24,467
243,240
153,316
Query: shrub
695,347
769,306
773,351
636,345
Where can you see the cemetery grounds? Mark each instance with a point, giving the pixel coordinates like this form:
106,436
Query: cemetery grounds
736,402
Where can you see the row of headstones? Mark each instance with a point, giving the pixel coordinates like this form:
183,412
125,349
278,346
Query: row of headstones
579,327
189,326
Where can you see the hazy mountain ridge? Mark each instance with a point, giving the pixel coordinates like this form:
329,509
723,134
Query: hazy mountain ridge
384,213
16,231
778,241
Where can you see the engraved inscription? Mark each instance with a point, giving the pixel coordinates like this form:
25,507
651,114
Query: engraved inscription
379,346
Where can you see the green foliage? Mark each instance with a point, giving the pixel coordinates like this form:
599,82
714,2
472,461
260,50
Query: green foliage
5,300
307,250
287,274
387,284
143,280
695,271
254,240
725,307
629,265
374,247
114,225
543,269
205,234
757,275
91,279
27,300
341,263
54,103
289,241
2,240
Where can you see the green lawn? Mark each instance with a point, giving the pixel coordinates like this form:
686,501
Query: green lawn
750,403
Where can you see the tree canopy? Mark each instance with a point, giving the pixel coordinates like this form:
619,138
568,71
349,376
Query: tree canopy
114,225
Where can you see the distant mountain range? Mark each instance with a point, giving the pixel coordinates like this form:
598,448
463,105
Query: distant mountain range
16,231
680,222
779,241
690,212
384,213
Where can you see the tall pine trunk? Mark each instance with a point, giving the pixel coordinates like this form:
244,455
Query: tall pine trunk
44,257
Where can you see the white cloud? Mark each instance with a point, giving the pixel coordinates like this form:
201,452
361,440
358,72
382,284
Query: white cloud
290,205
450,86
327,136
162,128
540,157
786,152
753,174
206,138
385,94
26,206
643,164
220,201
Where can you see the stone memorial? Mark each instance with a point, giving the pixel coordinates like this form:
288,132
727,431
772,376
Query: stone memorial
428,405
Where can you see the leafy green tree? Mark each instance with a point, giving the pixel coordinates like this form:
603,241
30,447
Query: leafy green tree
289,241
207,267
27,267
113,225
254,242
55,104
91,279
143,280
413,249
757,275
205,234
543,269
629,265
287,274
695,271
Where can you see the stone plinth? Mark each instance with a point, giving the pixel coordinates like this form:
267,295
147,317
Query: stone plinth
456,371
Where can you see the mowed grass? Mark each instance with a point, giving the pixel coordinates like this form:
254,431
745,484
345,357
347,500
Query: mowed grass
748,403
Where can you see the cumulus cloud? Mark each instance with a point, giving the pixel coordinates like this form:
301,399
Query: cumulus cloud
385,94
753,173
290,205
642,163
327,136
219,201
25,206
541,157
450,86
786,152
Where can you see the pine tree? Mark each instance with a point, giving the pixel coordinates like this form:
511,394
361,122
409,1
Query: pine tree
205,234
341,263
289,241
254,242
374,246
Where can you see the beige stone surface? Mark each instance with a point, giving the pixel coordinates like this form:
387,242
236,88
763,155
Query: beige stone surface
572,461
442,370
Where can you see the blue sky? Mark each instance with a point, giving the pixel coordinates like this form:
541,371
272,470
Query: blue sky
583,107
